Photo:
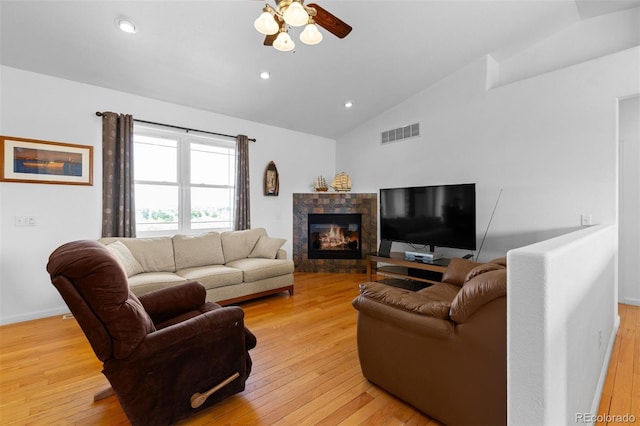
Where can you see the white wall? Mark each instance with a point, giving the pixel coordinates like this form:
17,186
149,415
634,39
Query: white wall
629,211
549,142
562,322
41,107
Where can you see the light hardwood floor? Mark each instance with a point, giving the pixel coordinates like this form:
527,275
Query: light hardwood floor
305,369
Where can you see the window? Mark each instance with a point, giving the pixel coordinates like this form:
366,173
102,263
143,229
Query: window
183,183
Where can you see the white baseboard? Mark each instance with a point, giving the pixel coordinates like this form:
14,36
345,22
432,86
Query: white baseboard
33,315
630,301
605,367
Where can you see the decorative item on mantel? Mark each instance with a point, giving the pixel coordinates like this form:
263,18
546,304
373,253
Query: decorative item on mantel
341,182
271,180
321,184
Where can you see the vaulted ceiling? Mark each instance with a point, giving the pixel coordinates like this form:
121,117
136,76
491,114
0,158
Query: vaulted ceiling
207,55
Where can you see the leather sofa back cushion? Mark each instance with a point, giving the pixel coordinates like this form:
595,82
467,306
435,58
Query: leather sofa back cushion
479,270
477,292
239,244
198,250
457,271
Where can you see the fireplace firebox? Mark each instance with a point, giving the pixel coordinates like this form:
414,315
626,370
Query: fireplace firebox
334,236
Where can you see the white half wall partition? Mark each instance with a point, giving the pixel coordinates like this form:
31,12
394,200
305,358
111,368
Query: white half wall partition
562,321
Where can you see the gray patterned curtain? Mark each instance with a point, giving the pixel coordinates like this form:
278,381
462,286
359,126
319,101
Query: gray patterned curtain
118,208
242,214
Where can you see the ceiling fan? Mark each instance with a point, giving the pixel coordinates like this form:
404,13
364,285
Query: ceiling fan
273,23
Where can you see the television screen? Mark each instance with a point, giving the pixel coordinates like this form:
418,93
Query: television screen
442,215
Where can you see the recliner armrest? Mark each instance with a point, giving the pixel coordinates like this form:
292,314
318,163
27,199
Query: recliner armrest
170,302
209,325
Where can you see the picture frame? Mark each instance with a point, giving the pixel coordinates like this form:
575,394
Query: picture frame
38,161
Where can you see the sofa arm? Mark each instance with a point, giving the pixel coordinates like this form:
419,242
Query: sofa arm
477,292
400,319
170,302
419,303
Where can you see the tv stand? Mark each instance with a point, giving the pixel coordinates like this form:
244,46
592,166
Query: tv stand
396,266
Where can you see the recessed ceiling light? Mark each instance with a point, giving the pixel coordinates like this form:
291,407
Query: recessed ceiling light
126,25
265,75
348,104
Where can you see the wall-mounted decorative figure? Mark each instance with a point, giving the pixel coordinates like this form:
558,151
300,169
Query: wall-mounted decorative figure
271,180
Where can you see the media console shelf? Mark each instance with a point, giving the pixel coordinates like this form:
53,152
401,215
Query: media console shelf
396,266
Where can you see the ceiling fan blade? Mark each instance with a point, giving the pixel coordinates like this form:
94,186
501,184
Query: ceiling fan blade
330,22
269,39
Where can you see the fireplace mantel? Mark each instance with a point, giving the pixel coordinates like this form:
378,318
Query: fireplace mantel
333,202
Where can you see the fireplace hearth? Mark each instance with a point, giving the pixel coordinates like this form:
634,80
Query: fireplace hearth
334,236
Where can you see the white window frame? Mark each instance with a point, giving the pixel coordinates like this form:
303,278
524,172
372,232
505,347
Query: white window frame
184,140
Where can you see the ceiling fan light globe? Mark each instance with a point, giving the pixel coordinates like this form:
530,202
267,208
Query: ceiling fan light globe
266,24
311,35
283,42
295,15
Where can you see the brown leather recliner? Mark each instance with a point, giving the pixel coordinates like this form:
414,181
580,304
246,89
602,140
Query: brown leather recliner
167,354
442,349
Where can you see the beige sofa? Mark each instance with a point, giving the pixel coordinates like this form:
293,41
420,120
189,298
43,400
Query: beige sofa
233,266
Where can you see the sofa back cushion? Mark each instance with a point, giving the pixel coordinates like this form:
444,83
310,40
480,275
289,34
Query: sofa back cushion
457,271
481,269
154,254
239,244
127,260
267,247
198,250
476,292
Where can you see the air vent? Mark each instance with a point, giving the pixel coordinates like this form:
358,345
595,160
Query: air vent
400,133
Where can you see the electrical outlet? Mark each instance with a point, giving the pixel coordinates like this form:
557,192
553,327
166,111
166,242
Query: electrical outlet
599,338
25,221
585,220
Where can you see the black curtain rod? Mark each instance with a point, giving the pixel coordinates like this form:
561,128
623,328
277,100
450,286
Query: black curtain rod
99,114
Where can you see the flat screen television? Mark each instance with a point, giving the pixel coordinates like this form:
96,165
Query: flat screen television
441,215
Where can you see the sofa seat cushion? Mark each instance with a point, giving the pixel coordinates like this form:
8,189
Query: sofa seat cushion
151,281
256,269
212,276
435,303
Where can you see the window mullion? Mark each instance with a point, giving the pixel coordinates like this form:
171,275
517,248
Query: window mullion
184,167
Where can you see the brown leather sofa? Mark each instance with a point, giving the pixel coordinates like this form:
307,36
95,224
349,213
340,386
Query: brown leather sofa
442,349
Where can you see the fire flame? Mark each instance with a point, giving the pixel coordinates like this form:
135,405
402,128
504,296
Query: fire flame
334,238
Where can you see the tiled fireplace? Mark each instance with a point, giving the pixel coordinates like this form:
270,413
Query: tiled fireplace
333,232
